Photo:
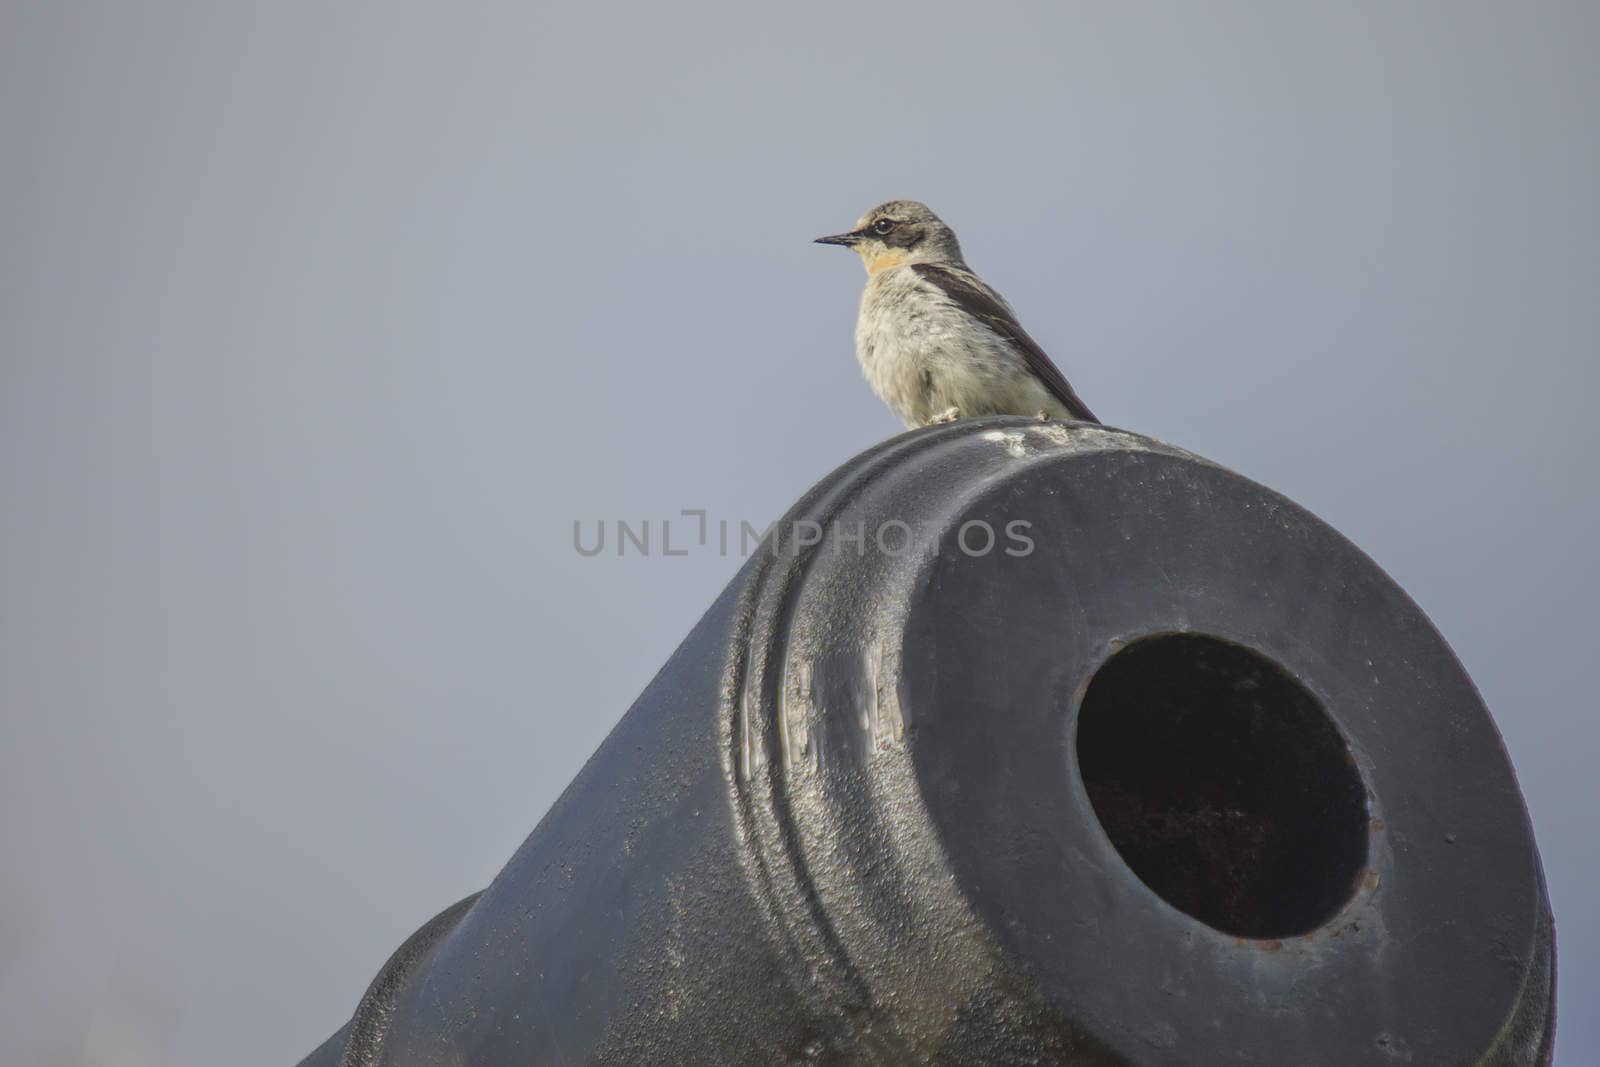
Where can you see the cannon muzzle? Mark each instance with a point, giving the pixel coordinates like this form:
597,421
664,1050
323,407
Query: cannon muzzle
1016,742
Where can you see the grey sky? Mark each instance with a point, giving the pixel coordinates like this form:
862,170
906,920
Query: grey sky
321,323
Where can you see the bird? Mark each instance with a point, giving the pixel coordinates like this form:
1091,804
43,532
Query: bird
937,343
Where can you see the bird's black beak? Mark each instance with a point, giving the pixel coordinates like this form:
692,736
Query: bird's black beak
846,239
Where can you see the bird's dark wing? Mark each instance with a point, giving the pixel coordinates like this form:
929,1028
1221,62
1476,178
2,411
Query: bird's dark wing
971,296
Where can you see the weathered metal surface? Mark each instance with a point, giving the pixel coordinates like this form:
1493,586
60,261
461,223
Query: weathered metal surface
854,818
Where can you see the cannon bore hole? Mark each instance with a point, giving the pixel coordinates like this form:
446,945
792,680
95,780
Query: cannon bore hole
1223,784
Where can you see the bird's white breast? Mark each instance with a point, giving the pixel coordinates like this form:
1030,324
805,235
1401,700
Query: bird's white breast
922,355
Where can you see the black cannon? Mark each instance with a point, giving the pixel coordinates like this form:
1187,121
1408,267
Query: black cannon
1016,742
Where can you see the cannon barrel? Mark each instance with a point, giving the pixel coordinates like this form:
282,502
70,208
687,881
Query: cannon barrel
1016,742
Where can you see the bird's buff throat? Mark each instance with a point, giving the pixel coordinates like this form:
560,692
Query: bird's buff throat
883,261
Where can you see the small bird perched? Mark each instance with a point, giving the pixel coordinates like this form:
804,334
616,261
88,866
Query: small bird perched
934,341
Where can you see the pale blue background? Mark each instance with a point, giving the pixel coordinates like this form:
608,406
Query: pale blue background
320,324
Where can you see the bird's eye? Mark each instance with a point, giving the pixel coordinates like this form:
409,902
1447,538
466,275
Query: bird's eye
882,226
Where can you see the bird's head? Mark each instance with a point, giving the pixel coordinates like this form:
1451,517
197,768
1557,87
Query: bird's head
900,231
